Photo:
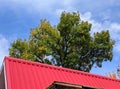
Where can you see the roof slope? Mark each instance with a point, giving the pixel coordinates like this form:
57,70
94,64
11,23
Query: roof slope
22,74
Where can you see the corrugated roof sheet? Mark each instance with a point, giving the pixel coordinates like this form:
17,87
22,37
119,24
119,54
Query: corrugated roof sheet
23,74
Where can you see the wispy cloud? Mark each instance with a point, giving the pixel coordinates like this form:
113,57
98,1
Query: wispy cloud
4,45
97,26
54,8
113,27
38,5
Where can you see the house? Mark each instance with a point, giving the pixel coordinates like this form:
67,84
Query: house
22,74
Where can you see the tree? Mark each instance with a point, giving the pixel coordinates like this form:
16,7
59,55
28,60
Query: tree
115,74
112,75
69,44
38,46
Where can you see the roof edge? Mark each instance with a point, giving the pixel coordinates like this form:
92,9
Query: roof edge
19,60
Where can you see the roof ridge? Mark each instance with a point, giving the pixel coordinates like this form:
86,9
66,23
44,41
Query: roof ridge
19,60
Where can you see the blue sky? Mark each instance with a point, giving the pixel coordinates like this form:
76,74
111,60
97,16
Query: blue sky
17,17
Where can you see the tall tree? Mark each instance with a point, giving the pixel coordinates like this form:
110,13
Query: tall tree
69,44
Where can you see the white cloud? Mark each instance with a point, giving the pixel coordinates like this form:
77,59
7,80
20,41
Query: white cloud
86,16
51,7
96,26
4,44
117,48
115,31
59,11
38,4
113,27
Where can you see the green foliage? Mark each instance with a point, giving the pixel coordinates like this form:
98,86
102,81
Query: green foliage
42,39
69,43
20,49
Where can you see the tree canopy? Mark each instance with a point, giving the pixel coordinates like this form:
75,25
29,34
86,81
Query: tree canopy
69,44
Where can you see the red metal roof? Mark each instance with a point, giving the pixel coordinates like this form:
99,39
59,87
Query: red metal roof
23,74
